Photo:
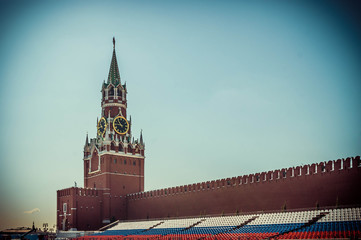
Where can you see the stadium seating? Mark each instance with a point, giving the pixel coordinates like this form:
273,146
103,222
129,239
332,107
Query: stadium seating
313,224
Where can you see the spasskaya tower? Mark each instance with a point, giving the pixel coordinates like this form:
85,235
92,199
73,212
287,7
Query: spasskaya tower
113,164
114,160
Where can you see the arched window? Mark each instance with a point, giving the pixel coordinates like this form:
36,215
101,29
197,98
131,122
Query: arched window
112,146
111,92
120,148
119,92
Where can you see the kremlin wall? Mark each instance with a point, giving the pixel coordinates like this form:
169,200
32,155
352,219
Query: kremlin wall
114,179
310,186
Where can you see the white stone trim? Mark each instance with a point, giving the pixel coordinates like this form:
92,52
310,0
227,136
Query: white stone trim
93,172
72,208
120,154
120,174
65,215
113,105
117,154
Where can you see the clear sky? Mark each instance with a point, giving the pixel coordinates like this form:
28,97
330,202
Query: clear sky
220,89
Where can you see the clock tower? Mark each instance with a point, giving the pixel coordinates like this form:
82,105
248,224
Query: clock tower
114,160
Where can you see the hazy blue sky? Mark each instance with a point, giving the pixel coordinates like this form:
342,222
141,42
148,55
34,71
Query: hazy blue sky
220,89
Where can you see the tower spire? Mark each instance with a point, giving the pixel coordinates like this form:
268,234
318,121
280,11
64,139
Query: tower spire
114,76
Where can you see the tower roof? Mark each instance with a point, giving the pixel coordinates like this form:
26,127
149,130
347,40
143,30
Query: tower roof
114,76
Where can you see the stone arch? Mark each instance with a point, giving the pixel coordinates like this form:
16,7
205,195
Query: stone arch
94,161
111,91
112,146
120,147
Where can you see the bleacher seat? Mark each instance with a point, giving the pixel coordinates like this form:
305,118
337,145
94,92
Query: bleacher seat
325,224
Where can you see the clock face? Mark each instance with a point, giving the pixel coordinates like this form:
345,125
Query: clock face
120,125
102,125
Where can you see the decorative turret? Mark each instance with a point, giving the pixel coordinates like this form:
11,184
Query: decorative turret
86,146
86,140
141,138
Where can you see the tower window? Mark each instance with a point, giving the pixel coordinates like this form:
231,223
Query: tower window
134,163
125,161
115,160
111,92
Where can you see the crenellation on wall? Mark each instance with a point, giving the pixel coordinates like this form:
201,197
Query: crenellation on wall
338,165
320,167
277,175
290,172
346,163
356,162
282,173
305,170
221,183
312,169
329,166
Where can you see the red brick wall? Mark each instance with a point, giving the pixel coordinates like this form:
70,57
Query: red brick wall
84,210
244,193
94,162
